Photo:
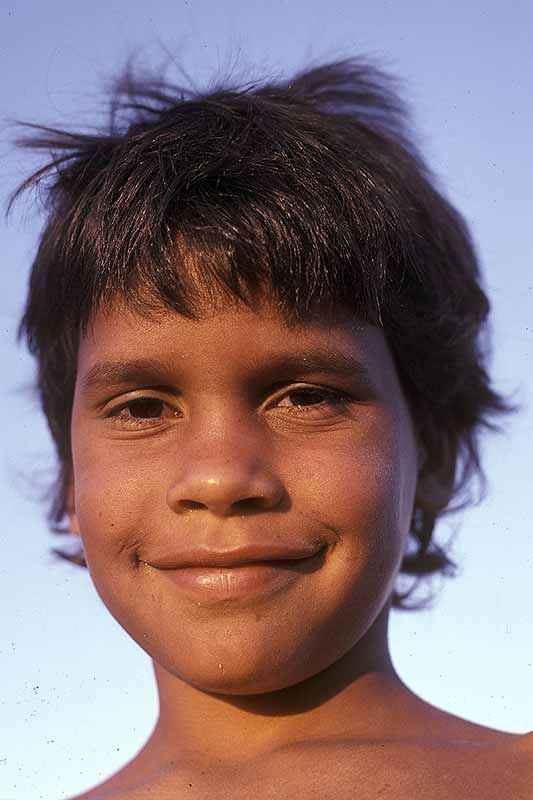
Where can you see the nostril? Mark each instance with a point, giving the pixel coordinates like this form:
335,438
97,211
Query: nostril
191,505
248,504
242,493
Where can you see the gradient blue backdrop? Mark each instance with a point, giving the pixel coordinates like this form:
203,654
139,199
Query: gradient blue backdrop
77,698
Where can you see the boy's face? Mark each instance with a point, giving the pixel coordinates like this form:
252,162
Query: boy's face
199,446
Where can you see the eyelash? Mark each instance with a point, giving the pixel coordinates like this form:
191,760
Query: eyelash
331,397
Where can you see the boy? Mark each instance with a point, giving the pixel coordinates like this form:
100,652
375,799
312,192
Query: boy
258,328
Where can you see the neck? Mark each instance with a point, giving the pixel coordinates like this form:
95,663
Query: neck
355,697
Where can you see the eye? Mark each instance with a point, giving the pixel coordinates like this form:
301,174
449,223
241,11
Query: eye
141,412
315,400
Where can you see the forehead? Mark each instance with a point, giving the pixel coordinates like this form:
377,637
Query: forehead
119,322
232,339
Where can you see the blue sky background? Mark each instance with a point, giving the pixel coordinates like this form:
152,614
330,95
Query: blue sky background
77,698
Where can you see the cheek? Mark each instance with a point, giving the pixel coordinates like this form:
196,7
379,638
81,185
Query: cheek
364,492
112,501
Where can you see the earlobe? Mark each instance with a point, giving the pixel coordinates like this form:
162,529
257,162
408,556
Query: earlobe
432,494
436,474
70,509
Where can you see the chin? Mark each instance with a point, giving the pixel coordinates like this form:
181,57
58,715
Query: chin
238,673
238,680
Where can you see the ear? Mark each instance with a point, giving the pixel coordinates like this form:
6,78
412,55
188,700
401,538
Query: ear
436,472
70,509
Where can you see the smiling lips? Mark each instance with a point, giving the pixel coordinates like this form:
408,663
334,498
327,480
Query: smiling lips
238,573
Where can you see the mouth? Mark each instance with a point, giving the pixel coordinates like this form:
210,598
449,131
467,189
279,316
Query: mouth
239,579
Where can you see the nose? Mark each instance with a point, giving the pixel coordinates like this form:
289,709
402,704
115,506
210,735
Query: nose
226,475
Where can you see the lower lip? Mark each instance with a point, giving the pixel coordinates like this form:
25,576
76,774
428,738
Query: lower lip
228,583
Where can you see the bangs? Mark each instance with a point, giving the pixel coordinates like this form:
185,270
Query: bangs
243,261
303,239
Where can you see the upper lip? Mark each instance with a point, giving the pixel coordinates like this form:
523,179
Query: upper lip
247,554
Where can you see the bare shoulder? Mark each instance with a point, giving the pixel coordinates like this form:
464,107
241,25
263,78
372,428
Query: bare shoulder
470,762
146,790
503,767
108,791
523,744
480,761
102,793
458,759
98,793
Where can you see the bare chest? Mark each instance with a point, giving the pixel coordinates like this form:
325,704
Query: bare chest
382,772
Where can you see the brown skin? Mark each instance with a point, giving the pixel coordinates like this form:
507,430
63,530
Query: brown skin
257,692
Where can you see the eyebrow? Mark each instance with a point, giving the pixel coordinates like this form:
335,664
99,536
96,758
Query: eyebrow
333,362
117,373
121,372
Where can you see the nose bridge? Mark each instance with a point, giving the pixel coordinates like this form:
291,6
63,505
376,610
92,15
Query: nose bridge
223,465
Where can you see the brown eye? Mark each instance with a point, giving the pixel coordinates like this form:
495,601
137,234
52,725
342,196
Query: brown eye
141,413
313,400
308,397
145,407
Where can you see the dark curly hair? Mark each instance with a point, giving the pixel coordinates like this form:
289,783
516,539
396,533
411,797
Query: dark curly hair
309,189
